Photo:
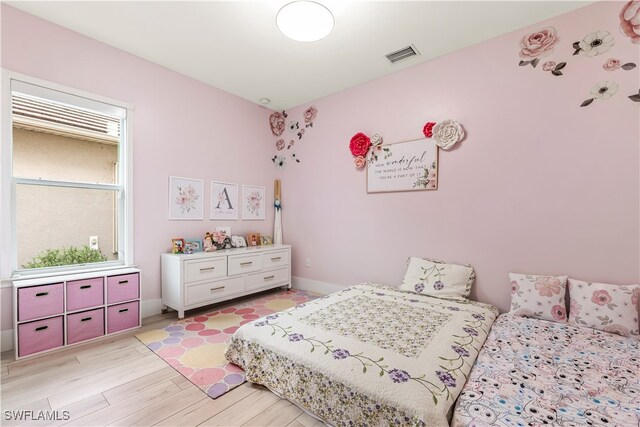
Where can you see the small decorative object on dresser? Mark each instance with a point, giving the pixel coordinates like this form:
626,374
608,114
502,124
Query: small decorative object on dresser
208,244
226,230
238,242
221,240
192,281
253,239
195,245
266,240
177,245
52,312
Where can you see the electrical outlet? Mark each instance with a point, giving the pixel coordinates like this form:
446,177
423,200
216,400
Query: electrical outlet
308,262
93,242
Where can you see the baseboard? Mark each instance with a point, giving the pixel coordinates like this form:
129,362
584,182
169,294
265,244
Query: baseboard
6,340
151,307
322,288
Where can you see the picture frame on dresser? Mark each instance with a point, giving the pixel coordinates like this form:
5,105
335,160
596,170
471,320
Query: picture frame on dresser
54,312
196,245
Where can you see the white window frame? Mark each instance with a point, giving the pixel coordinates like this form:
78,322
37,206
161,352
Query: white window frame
8,243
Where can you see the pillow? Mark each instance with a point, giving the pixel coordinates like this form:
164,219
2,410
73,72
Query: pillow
437,278
610,308
540,297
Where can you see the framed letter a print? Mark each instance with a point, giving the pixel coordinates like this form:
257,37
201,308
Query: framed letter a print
224,200
253,202
186,198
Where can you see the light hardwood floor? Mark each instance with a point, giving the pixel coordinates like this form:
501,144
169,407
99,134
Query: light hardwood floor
119,381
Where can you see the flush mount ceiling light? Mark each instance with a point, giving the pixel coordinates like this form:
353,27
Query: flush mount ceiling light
305,21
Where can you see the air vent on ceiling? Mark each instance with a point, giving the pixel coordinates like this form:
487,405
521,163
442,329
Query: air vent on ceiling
405,52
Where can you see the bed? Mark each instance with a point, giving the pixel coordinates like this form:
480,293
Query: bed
534,372
368,355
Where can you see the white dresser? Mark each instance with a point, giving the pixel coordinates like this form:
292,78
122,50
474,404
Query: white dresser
194,280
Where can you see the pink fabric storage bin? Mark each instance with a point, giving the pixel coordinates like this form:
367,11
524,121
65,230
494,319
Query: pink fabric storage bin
85,293
85,325
123,288
41,335
122,316
40,301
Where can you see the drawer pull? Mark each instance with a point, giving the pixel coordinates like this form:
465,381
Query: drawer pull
123,282
40,328
86,319
244,264
217,289
124,310
278,258
269,277
207,269
85,286
42,294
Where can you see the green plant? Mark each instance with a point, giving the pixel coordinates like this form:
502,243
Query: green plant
65,256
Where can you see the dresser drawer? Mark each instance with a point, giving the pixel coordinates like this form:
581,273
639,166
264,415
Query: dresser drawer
123,287
40,301
199,270
275,259
211,291
240,264
123,316
41,335
267,278
85,325
85,293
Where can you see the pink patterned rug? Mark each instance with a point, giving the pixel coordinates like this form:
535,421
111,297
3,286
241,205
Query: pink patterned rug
195,346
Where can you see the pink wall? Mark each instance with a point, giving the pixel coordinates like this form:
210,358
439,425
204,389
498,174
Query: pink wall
182,127
540,185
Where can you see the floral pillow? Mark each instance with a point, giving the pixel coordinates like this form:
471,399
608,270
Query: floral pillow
610,308
540,297
437,278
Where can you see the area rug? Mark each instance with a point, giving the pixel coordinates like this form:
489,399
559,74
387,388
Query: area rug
195,346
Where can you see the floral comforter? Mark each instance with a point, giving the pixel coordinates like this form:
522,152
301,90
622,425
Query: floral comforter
368,355
534,372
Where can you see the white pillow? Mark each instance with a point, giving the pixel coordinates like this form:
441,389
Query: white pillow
437,278
610,308
540,297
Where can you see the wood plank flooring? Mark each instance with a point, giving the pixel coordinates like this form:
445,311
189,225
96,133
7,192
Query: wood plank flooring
118,381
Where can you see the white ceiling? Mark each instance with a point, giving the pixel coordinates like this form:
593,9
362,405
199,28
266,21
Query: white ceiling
236,46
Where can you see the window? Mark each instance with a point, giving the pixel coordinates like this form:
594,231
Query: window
69,197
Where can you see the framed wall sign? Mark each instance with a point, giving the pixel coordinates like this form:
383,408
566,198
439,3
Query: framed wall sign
411,166
253,202
186,198
224,201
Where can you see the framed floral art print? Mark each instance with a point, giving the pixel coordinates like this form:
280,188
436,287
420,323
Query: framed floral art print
253,202
186,198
